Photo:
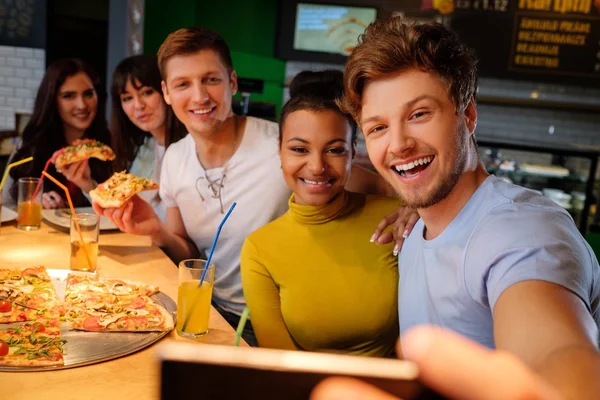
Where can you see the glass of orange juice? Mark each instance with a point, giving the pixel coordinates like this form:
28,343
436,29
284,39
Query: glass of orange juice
84,254
29,207
193,301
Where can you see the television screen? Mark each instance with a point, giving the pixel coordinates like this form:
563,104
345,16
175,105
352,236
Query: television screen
330,28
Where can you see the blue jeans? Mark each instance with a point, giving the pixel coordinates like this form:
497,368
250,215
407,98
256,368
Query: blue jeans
233,320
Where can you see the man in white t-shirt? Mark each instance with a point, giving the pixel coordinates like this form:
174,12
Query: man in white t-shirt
225,158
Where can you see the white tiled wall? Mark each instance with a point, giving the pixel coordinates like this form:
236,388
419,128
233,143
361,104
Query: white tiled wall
21,71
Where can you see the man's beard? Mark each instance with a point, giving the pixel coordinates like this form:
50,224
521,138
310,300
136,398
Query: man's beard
448,180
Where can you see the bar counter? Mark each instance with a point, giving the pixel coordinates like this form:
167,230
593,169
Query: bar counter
121,255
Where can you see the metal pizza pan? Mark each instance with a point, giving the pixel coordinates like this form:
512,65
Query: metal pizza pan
85,348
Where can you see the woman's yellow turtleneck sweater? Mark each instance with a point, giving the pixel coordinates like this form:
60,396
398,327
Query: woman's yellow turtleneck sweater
313,281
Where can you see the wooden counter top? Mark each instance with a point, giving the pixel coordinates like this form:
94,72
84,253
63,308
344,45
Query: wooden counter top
120,255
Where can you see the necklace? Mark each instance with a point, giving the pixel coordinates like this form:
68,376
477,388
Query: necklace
216,185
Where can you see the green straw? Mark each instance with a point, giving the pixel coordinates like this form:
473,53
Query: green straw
240,327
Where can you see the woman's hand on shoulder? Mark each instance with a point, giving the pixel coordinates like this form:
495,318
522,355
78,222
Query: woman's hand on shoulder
135,216
402,220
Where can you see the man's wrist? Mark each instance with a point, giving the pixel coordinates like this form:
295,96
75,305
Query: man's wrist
88,185
158,237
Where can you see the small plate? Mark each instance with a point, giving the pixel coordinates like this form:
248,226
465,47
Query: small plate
62,217
8,214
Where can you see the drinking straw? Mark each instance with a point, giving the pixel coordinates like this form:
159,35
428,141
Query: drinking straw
206,266
240,327
212,249
23,161
37,188
74,216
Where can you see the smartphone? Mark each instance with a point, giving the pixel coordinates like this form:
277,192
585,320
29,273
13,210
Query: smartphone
207,371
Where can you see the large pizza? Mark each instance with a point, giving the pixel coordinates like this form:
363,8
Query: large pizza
28,302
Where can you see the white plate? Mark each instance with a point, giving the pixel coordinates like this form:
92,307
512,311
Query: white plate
61,217
8,214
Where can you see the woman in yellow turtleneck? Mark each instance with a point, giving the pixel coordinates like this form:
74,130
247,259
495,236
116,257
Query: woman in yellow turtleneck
312,279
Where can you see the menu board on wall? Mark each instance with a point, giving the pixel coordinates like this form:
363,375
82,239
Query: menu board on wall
23,23
557,37
547,40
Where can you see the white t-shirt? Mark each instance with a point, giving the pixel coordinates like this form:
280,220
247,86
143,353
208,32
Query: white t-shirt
147,164
253,180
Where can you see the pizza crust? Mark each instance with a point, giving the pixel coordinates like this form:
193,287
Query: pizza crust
106,203
25,362
119,188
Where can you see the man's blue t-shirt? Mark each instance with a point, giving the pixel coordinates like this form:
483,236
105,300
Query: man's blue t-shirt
504,234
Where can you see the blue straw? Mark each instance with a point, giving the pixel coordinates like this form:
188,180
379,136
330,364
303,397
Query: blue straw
212,249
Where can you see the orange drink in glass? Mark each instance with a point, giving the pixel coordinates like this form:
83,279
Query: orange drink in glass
89,225
29,209
193,302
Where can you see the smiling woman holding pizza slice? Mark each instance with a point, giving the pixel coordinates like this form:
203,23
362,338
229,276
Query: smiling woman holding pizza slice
68,110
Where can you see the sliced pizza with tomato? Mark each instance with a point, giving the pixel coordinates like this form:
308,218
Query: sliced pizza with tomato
82,150
90,304
128,314
32,344
82,283
26,295
116,190
113,305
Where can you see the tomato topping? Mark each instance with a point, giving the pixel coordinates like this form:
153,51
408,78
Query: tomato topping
54,322
138,303
91,323
138,322
29,271
38,327
22,317
5,306
3,348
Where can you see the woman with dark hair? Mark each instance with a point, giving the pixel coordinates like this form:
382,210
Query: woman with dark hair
142,124
311,278
69,106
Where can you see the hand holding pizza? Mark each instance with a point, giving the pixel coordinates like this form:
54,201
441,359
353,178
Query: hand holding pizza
79,173
135,216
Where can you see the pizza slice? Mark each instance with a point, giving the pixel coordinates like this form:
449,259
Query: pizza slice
82,150
130,314
109,304
119,188
26,295
16,274
35,344
78,285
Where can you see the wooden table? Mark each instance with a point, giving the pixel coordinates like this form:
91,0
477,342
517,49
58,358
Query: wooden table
120,255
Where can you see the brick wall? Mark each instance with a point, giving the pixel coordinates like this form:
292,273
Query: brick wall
21,70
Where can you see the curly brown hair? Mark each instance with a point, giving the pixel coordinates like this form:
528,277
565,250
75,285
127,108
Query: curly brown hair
390,46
